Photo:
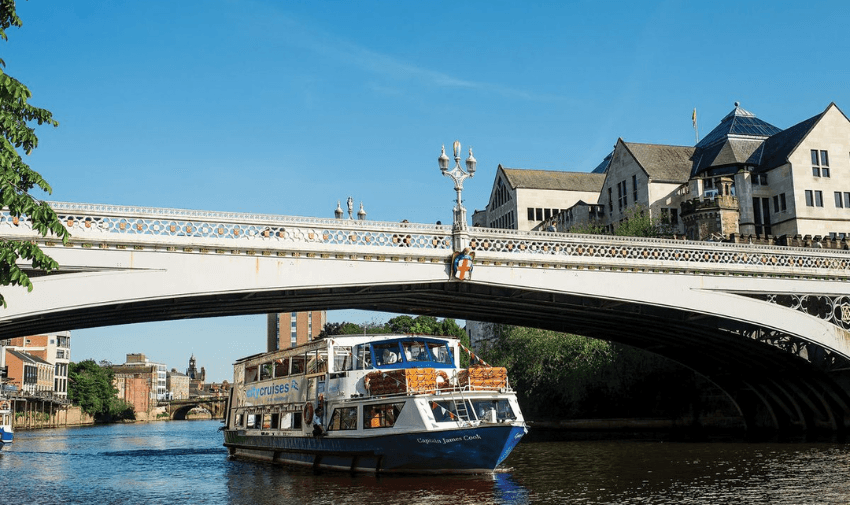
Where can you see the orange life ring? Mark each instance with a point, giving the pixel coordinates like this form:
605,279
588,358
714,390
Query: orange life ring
308,413
445,378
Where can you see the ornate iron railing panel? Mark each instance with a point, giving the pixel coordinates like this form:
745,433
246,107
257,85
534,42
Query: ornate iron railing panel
139,226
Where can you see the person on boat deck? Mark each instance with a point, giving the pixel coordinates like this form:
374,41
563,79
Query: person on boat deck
317,418
389,357
374,418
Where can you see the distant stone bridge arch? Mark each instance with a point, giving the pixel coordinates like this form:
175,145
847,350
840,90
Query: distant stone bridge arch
179,409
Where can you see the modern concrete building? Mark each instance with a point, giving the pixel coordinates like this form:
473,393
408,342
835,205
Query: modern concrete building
288,329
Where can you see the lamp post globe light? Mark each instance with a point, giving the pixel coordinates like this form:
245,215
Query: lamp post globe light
458,176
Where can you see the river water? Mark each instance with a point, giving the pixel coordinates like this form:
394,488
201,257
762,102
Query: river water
184,462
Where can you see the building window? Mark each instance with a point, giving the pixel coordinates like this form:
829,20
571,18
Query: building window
610,200
820,163
818,198
538,214
839,201
847,200
782,206
810,199
622,195
634,188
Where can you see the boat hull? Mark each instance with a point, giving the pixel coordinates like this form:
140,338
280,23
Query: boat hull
478,449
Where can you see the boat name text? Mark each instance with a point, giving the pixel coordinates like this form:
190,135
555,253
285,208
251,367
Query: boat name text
447,440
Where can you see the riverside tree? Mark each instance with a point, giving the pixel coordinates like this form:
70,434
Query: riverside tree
90,387
17,179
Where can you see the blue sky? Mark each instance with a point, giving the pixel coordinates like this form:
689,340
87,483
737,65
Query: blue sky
287,107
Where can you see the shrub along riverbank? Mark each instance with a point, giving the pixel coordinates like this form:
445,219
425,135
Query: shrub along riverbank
560,377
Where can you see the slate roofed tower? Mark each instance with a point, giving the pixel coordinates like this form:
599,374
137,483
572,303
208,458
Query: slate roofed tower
738,140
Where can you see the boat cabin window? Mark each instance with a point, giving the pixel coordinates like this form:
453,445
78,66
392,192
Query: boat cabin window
381,415
502,408
281,367
317,362
254,421
415,351
418,353
440,352
297,365
445,410
343,418
386,354
265,371
270,421
342,358
362,357
290,421
251,373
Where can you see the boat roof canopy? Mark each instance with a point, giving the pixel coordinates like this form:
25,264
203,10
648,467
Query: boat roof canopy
335,340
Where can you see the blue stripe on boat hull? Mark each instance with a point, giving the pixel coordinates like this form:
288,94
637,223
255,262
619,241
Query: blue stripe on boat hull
465,450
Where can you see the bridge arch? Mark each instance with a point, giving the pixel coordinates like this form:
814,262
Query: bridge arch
723,310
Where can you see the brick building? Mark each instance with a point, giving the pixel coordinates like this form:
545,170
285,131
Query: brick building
29,373
55,349
288,329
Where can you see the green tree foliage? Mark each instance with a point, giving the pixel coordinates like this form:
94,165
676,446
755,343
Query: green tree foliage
17,179
570,376
638,223
346,328
90,387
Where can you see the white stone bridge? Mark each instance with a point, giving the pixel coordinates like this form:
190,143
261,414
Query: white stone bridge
769,325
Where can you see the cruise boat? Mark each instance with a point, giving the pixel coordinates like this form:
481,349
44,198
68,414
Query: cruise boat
6,432
373,403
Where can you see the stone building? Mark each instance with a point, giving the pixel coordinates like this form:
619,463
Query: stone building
745,177
528,199
645,178
177,384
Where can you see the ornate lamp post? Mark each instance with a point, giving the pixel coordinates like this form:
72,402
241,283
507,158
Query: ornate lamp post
458,175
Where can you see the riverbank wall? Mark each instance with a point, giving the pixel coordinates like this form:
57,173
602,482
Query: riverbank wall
34,415
49,416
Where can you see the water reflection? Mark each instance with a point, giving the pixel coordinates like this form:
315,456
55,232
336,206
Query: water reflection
251,482
185,462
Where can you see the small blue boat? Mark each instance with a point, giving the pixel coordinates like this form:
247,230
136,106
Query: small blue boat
373,403
7,434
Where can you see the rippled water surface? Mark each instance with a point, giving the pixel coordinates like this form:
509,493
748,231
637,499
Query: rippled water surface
184,462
